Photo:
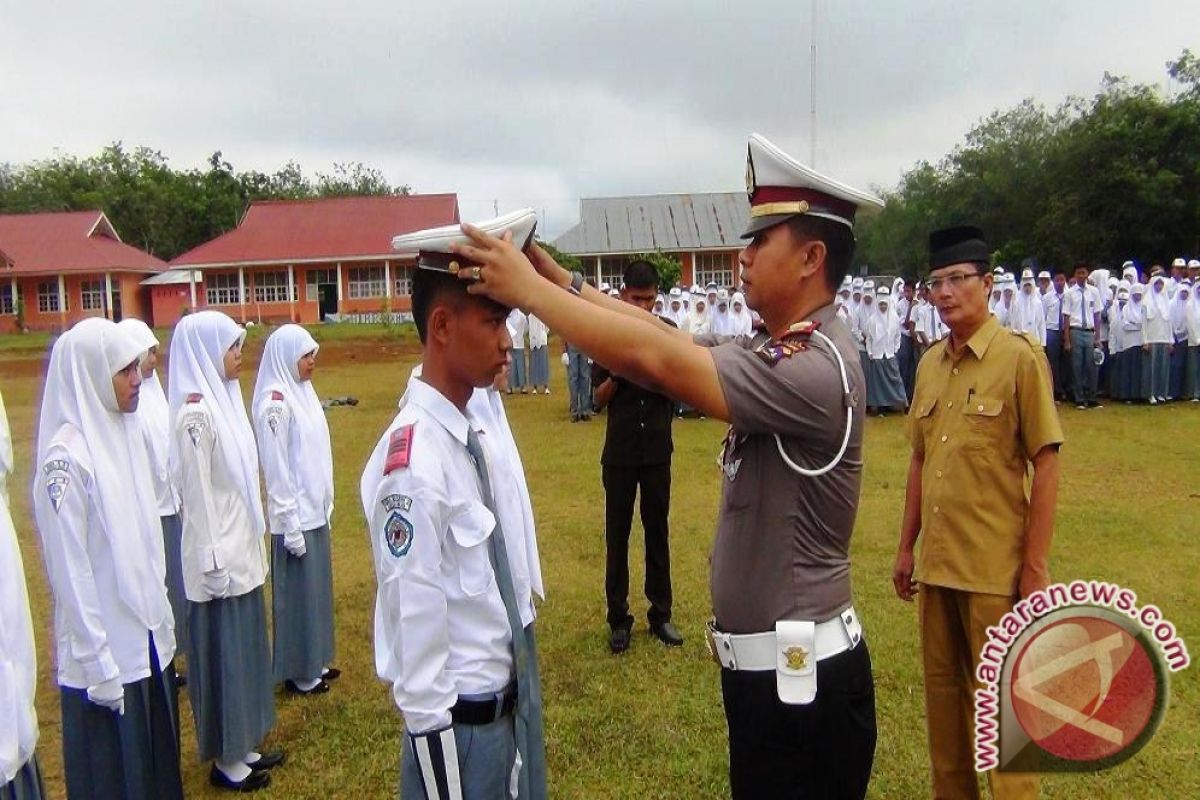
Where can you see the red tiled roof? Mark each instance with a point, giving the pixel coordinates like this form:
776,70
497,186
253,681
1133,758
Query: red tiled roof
69,241
280,231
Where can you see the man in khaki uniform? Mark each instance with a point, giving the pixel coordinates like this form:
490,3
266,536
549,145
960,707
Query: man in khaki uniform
982,413
796,673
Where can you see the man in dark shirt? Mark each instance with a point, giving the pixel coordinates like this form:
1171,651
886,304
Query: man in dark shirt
637,452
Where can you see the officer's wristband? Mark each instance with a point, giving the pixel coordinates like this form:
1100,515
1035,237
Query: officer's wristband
576,285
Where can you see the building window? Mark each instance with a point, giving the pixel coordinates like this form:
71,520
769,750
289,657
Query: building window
403,283
92,295
48,298
715,268
221,289
612,270
367,282
314,279
8,301
271,287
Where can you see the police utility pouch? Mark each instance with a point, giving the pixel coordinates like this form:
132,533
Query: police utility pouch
796,661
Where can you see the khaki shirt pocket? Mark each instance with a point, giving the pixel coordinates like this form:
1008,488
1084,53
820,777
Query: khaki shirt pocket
985,424
471,528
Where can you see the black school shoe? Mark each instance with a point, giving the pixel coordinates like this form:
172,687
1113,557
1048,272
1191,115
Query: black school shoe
667,633
268,760
257,779
321,688
331,674
618,639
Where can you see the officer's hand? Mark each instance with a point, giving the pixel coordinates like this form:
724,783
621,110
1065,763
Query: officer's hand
902,572
1033,579
505,274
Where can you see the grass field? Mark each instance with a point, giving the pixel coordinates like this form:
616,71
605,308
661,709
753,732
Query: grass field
649,724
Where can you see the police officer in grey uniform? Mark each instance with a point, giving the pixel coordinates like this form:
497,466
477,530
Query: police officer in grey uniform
796,674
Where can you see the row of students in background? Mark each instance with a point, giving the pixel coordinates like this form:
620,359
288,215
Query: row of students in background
151,520
529,336
712,310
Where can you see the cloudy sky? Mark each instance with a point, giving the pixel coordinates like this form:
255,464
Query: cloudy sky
541,103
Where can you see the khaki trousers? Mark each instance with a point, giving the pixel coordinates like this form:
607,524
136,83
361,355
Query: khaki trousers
953,632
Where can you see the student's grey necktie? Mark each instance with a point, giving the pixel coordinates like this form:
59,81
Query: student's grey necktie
530,745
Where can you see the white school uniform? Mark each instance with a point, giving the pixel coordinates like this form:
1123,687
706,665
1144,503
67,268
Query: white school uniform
18,658
441,629
1028,315
214,460
96,513
1158,314
293,437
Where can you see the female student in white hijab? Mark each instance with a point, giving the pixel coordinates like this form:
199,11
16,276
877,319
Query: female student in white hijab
721,324
885,387
94,503
699,320
1118,354
1158,340
154,416
1191,375
1028,313
215,463
297,465
1133,321
20,775
1179,335
741,322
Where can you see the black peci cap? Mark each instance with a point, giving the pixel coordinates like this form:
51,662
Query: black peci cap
962,244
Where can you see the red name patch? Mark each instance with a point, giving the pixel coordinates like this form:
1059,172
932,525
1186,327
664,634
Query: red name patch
195,397
276,395
399,449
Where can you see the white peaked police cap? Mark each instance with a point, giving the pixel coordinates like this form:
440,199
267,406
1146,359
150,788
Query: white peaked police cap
432,246
780,187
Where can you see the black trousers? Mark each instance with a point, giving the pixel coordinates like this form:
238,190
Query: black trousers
821,750
620,487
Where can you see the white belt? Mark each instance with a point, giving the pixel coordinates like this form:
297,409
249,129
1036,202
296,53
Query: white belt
762,651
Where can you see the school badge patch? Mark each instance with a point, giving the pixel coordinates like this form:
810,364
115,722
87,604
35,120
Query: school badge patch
194,425
398,530
57,481
273,415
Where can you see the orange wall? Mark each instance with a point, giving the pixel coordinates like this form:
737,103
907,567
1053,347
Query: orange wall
127,285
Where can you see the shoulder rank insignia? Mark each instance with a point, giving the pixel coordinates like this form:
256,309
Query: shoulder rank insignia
397,530
276,394
399,449
794,340
57,481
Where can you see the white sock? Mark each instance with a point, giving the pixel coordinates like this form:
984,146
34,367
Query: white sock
307,686
236,771
251,757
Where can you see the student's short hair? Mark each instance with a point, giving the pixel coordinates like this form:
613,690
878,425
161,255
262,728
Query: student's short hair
431,288
640,274
1081,266
839,244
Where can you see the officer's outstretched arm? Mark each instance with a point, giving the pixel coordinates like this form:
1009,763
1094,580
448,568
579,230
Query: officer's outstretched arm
635,346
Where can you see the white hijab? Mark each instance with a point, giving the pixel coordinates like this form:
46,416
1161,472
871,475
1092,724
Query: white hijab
152,406
1157,301
1134,313
79,392
741,322
197,365
278,371
1179,308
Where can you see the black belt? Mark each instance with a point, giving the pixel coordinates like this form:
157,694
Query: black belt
484,712
1081,328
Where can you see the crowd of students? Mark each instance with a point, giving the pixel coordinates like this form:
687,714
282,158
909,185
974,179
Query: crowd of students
151,519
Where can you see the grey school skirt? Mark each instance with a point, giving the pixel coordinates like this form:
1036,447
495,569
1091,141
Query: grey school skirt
229,675
302,606
132,755
172,529
26,784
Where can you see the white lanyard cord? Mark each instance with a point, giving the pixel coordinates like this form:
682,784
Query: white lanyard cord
814,473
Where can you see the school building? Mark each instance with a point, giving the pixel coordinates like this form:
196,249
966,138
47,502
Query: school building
701,231
305,261
58,268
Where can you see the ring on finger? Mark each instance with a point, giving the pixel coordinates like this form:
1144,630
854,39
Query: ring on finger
476,272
